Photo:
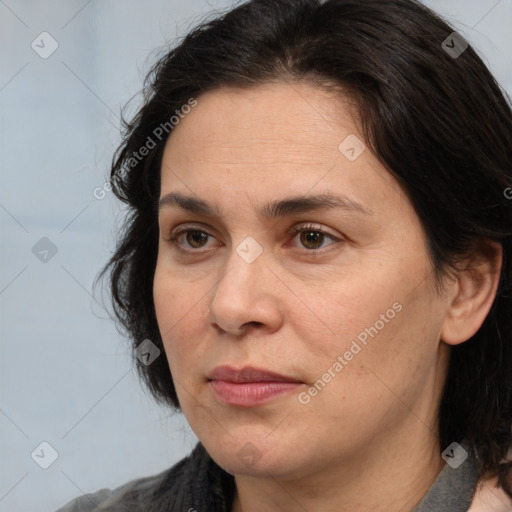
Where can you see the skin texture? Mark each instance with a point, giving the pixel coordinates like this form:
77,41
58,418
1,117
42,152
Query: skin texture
367,440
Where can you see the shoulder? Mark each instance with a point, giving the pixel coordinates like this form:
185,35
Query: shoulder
489,497
108,499
132,496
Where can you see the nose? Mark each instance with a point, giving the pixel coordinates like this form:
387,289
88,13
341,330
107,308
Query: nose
246,297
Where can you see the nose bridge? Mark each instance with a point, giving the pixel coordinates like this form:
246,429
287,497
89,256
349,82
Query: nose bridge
244,269
242,294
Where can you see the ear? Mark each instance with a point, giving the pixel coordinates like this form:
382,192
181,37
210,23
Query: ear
473,293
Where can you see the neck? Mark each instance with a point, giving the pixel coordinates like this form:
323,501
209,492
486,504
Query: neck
381,477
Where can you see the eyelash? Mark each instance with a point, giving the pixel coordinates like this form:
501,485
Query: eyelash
174,237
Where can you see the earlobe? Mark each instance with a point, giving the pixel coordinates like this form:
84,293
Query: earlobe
473,294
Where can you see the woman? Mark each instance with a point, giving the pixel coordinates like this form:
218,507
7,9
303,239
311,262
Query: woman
319,248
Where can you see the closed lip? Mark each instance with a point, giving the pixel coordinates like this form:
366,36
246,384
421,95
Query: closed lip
247,374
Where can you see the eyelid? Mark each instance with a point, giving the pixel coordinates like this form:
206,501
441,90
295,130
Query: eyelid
190,226
183,229
308,226
305,226
172,238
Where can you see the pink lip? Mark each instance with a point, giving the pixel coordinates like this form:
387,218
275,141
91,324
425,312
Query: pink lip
249,386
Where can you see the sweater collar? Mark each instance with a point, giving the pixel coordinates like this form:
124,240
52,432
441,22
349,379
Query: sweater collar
454,487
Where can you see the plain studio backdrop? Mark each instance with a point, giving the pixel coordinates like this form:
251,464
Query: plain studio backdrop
66,375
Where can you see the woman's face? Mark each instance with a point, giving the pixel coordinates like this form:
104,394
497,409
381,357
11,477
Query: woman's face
336,297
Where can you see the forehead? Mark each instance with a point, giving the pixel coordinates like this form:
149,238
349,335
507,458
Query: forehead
277,115
271,139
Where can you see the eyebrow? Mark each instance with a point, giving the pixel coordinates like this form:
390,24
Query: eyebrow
271,210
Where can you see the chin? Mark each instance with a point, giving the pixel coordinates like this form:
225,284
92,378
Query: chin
257,454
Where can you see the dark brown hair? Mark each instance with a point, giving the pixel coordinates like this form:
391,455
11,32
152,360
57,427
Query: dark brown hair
438,121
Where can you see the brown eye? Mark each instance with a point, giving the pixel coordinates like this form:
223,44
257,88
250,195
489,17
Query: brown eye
196,239
189,239
312,239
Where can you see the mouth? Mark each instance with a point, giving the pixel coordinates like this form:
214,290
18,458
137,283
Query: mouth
249,387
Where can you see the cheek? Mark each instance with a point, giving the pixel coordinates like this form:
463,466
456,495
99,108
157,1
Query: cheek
373,322
174,298
349,309
178,307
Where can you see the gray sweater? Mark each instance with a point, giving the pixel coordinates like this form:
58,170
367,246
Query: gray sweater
197,484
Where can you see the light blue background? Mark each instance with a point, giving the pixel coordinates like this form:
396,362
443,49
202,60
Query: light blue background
65,373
